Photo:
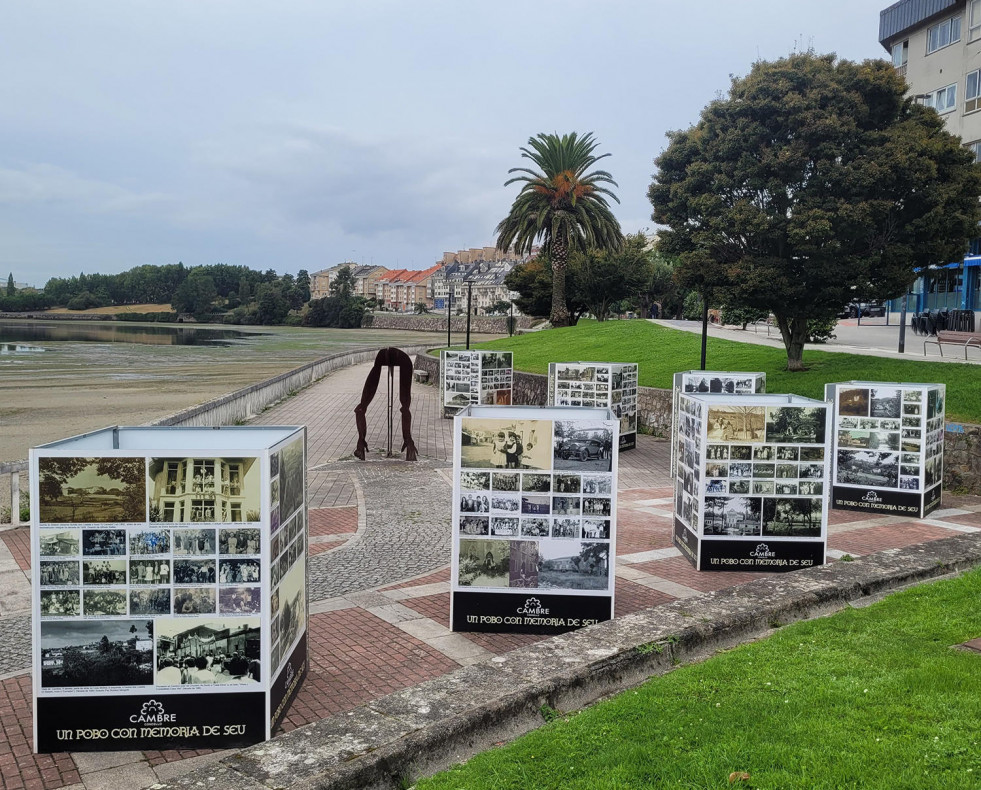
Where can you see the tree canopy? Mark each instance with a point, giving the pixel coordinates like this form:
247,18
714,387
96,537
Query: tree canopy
562,204
813,183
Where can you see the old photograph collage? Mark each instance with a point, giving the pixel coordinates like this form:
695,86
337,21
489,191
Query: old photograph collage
751,470
535,504
890,436
476,377
586,384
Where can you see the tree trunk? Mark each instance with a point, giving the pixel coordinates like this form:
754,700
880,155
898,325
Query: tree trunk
560,312
793,330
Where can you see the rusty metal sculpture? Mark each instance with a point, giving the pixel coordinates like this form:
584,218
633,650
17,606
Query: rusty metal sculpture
390,358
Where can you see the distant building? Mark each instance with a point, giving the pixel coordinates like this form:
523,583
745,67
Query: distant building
402,289
194,490
485,268
365,279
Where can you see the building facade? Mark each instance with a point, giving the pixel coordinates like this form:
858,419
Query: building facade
481,270
936,46
365,279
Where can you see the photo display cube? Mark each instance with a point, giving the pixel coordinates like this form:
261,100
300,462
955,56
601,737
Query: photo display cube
710,382
604,385
534,519
475,378
751,485
888,446
170,602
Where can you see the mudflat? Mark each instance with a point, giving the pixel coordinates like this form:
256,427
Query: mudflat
63,388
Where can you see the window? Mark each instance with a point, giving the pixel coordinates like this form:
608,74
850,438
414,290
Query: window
974,24
943,34
900,51
972,93
942,100
975,148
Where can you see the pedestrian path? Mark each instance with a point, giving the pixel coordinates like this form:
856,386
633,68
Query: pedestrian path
380,580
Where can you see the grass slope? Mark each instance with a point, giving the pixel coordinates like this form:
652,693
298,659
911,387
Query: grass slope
868,698
662,352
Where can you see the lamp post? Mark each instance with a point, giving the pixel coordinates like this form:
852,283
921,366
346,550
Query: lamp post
902,324
449,310
469,297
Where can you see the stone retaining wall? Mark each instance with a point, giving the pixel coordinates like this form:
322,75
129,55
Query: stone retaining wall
490,324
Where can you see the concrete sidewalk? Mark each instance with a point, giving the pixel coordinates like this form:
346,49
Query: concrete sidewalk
379,582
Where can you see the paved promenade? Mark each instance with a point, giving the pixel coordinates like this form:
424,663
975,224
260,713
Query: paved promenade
379,576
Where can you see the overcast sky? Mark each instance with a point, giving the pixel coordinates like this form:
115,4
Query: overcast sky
300,133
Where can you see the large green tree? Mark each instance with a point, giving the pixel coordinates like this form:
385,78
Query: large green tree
814,182
563,205
606,277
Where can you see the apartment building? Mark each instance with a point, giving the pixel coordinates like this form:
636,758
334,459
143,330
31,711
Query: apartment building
402,289
365,279
484,268
936,46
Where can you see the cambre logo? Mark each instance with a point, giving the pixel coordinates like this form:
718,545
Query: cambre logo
533,607
152,712
762,552
872,497
290,674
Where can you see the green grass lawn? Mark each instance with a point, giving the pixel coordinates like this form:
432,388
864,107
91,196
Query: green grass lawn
662,352
868,698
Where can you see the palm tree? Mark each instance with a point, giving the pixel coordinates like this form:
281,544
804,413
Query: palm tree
563,205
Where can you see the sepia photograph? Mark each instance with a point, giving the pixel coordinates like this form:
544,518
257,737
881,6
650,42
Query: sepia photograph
194,542
504,527
104,603
240,600
566,528
202,490
91,490
478,481
534,527
796,424
741,452
149,602
55,573
505,444
505,481
505,503
244,540
736,423
113,653
523,564
732,515
485,563
793,518
60,603
103,542
274,493
868,468
853,402
152,542
811,453
208,651
194,600
573,565
96,572
583,446
59,543
474,525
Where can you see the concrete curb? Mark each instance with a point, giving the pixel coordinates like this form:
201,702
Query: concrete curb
415,732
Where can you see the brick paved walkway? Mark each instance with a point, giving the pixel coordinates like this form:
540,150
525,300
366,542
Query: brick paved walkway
379,545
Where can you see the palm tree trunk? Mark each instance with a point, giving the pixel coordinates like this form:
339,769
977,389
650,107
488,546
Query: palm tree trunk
560,312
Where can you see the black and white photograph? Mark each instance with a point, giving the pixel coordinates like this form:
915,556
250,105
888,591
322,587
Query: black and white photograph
912,396
885,402
505,444
471,502
194,600
504,527
811,471
811,453
155,541
535,505
505,481
291,479
103,542
574,565
204,490
597,484
240,600
583,446
103,603
534,528
195,571
194,542
716,470
208,652
853,402
60,603
58,573
536,483
716,486
149,602
596,506
566,528
788,453
732,515
241,571
485,563
274,490
909,483
795,424
567,484
114,653
868,468
59,543
741,469
596,528
764,470
95,572
523,564
810,488
909,471
717,452
741,452
736,423
740,486
566,506
292,604
786,489
786,471
91,490
798,517
243,540
474,525
477,481
149,571
505,503
763,487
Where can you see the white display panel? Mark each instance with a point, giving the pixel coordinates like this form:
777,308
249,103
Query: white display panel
534,519
888,446
478,378
171,605
610,385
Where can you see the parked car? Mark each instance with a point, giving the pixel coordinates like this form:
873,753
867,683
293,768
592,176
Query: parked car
869,310
583,449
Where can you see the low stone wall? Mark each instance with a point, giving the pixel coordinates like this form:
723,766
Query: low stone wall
962,457
489,324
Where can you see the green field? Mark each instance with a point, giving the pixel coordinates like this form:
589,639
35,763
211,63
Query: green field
868,698
662,352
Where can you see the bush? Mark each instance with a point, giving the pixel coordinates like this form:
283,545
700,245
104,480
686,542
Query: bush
737,314
293,319
821,330
86,300
162,316
691,310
